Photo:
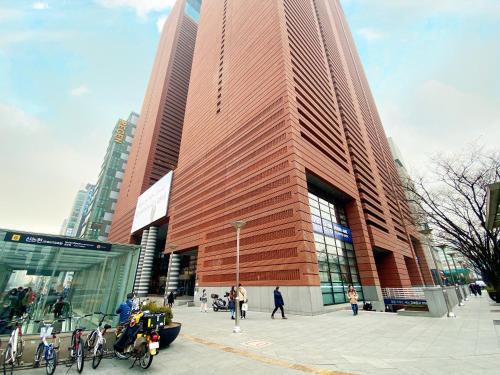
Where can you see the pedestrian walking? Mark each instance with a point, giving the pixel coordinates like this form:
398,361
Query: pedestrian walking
204,300
232,301
171,299
478,289
472,289
278,303
242,300
353,299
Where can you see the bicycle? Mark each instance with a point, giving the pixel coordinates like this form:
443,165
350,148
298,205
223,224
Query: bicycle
45,350
15,347
96,341
76,350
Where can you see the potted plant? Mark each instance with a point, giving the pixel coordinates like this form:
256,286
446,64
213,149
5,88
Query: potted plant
170,330
493,293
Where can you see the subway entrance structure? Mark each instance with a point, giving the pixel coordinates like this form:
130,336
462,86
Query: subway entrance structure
279,128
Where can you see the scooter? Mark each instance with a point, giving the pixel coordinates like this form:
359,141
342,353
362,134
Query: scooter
219,304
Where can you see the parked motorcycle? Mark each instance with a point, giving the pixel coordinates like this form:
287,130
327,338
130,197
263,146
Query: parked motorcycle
140,339
219,304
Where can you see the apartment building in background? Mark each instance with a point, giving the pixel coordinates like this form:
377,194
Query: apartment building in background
96,220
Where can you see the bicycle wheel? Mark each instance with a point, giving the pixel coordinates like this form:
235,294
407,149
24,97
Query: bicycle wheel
146,359
97,356
8,361
51,363
38,355
91,340
80,355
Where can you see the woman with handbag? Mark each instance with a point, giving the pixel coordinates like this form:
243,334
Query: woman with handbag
243,301
204,300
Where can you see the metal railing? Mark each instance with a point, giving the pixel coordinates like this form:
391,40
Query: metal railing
404,293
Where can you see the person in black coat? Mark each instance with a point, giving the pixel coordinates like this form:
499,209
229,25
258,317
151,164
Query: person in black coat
278,303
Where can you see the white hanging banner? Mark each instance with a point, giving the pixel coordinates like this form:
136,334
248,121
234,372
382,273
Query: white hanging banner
153,203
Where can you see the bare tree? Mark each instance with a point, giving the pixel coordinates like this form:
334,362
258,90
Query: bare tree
453,201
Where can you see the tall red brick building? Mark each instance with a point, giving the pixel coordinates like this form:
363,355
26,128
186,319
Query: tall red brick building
281,130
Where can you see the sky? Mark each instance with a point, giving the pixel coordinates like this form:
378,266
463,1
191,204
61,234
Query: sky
70,68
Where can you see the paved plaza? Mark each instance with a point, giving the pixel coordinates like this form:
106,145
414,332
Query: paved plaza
334,343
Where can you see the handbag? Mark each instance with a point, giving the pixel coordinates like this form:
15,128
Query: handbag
244,307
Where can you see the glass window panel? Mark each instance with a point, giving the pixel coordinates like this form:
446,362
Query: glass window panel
334,267
355,278
328,232
315,219
350,253
321,257
348,246
323,276
327,299
318,237
330,241
320,246
335,277
340,298
354,270
344,268
346,278
322,201
338,288
327,223
323,266
331,250
312,196
326,287
314,211
342,260
317,228
313,203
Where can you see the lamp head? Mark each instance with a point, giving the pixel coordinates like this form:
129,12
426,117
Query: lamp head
238,224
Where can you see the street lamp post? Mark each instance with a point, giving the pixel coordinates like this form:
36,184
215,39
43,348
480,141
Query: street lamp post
459,292
450,313
169,274
443,247
237,225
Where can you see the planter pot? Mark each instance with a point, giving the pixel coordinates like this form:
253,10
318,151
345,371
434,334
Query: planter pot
168,334
494,295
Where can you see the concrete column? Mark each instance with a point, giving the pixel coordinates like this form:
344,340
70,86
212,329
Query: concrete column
173,272
140,263
147,263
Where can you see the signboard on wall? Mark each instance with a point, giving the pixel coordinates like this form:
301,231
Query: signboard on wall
153,203
43,240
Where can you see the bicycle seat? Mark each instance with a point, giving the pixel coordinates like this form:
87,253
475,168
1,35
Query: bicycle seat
107,326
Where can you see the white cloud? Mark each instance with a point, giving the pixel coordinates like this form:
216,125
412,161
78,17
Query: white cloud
79,91
40,5
41,178
370,34
438,118
160,22
9,39
142,7
12,117
9,14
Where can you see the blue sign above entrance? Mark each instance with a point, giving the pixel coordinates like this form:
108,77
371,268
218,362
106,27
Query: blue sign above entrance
332,229
69,243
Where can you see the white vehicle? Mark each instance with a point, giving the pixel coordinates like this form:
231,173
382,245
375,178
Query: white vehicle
96,342
15,347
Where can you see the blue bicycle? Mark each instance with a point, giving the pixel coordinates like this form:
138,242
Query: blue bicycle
45,350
